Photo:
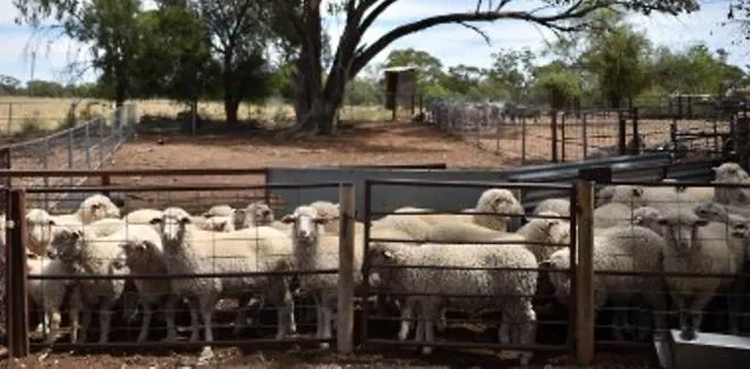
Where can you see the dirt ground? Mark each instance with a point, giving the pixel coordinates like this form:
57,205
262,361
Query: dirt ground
365,144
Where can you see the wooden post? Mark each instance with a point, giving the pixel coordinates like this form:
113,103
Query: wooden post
15,277
345,312
584,291
636,133
623,132
554,136
562,138
584,131
106,182
741,144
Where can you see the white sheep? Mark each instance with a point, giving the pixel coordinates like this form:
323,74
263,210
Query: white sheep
731,173
219,211
412,225
142,216
717,212
144,255
39,224
188,249
93,256
49,294
218,223
629,195
93,208
314,250
557,205
329,211
612,214
516,286
618,249
694,245
255,214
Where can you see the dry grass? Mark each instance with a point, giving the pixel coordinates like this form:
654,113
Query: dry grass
20,114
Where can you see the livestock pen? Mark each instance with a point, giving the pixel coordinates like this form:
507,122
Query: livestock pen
568,321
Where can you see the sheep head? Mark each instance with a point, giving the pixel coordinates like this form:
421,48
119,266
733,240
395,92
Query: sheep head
97,207
219,211
255,214
557,230
499,200
730,172
66,244
306,224
172,224
628,195
558,266
39,226
680,229
647,217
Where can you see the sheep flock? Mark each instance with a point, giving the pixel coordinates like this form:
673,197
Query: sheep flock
443,266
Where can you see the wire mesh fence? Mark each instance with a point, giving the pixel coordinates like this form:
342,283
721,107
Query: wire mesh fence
84,147
22,118
527,135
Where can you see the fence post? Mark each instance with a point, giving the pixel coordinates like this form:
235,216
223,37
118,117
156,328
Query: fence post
70,153
102,123
636,133
87,144
554,135
15,277
10,118
523,141
106,181
45,163
367,203
562,138
584,139
345,312
742,148
584,276
622,141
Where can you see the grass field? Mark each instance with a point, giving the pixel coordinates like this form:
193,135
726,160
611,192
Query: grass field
27,115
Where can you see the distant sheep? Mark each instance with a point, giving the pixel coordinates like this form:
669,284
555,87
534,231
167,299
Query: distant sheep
731,173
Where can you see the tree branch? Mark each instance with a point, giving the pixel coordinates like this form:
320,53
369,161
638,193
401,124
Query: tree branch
550,22
478,31
374,14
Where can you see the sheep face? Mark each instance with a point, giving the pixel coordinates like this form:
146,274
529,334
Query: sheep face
172,224
558,265
647,217
219,210
499,200
255,214
557,230
306,224
730,172
66,244
710,211
98,207
628,195
327,209
681,230
39,226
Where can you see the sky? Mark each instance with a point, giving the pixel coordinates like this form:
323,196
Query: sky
452,44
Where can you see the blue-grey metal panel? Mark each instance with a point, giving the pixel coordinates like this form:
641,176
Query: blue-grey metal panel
709,350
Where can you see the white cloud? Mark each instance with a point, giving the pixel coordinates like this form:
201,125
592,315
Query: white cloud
453,44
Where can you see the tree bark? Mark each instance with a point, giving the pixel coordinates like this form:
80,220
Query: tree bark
231,103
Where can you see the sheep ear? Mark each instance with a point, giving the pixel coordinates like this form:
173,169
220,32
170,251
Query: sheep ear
77,234
637,191
185,220
388,254
155,221
289,218
545,264
320,220
701,222
662,221
51,222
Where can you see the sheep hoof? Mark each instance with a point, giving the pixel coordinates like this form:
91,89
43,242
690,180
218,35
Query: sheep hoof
324,345
426,350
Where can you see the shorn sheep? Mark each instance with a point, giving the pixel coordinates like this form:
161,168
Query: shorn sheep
191,250
314,250
518,323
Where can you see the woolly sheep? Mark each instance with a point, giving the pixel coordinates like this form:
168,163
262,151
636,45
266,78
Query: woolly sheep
39,225
628,195
219,211
717,212
314,250
329,211
694,245
255,214
520,284
188,249
458,232
144,255
410,224
93,208
557,205
618,249
732,173
96,256
49,296
142,216
218,223
604,196
612,214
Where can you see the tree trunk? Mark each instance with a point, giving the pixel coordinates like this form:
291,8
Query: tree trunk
121,89
231,103
230,109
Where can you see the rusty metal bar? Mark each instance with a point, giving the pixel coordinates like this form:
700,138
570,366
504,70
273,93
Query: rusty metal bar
17,317
585,313
133,172
553,136
195,187
346,285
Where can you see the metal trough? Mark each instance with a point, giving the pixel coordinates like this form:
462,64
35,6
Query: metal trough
707,350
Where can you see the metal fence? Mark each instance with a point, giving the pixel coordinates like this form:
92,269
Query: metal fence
21,117
84,147
527,135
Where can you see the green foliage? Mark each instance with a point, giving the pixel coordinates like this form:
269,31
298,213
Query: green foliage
38,88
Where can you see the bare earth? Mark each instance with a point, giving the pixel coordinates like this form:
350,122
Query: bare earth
366,144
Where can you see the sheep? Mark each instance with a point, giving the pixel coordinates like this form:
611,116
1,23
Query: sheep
97,256
629,195
144,255
694,245
93,208
330,211
717,212
314,250
604,196
188,249
458,232
412,225
39,225
142,216
218,223
516,286
618,249
255,214
543,236
560,206
612,214
731,173
49,295
219,211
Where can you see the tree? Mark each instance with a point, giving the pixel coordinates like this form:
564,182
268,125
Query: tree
462,78
299,23
511,71
110,26
8,84
45,88
561,83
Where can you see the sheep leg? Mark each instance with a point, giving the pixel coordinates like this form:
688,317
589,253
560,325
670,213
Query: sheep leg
194,319
105,321
526,317
148,312
74,313
285,316
696,309
53,329
735,305
85,323
206,305
169,317
406,316
241,318
431,313
319,318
